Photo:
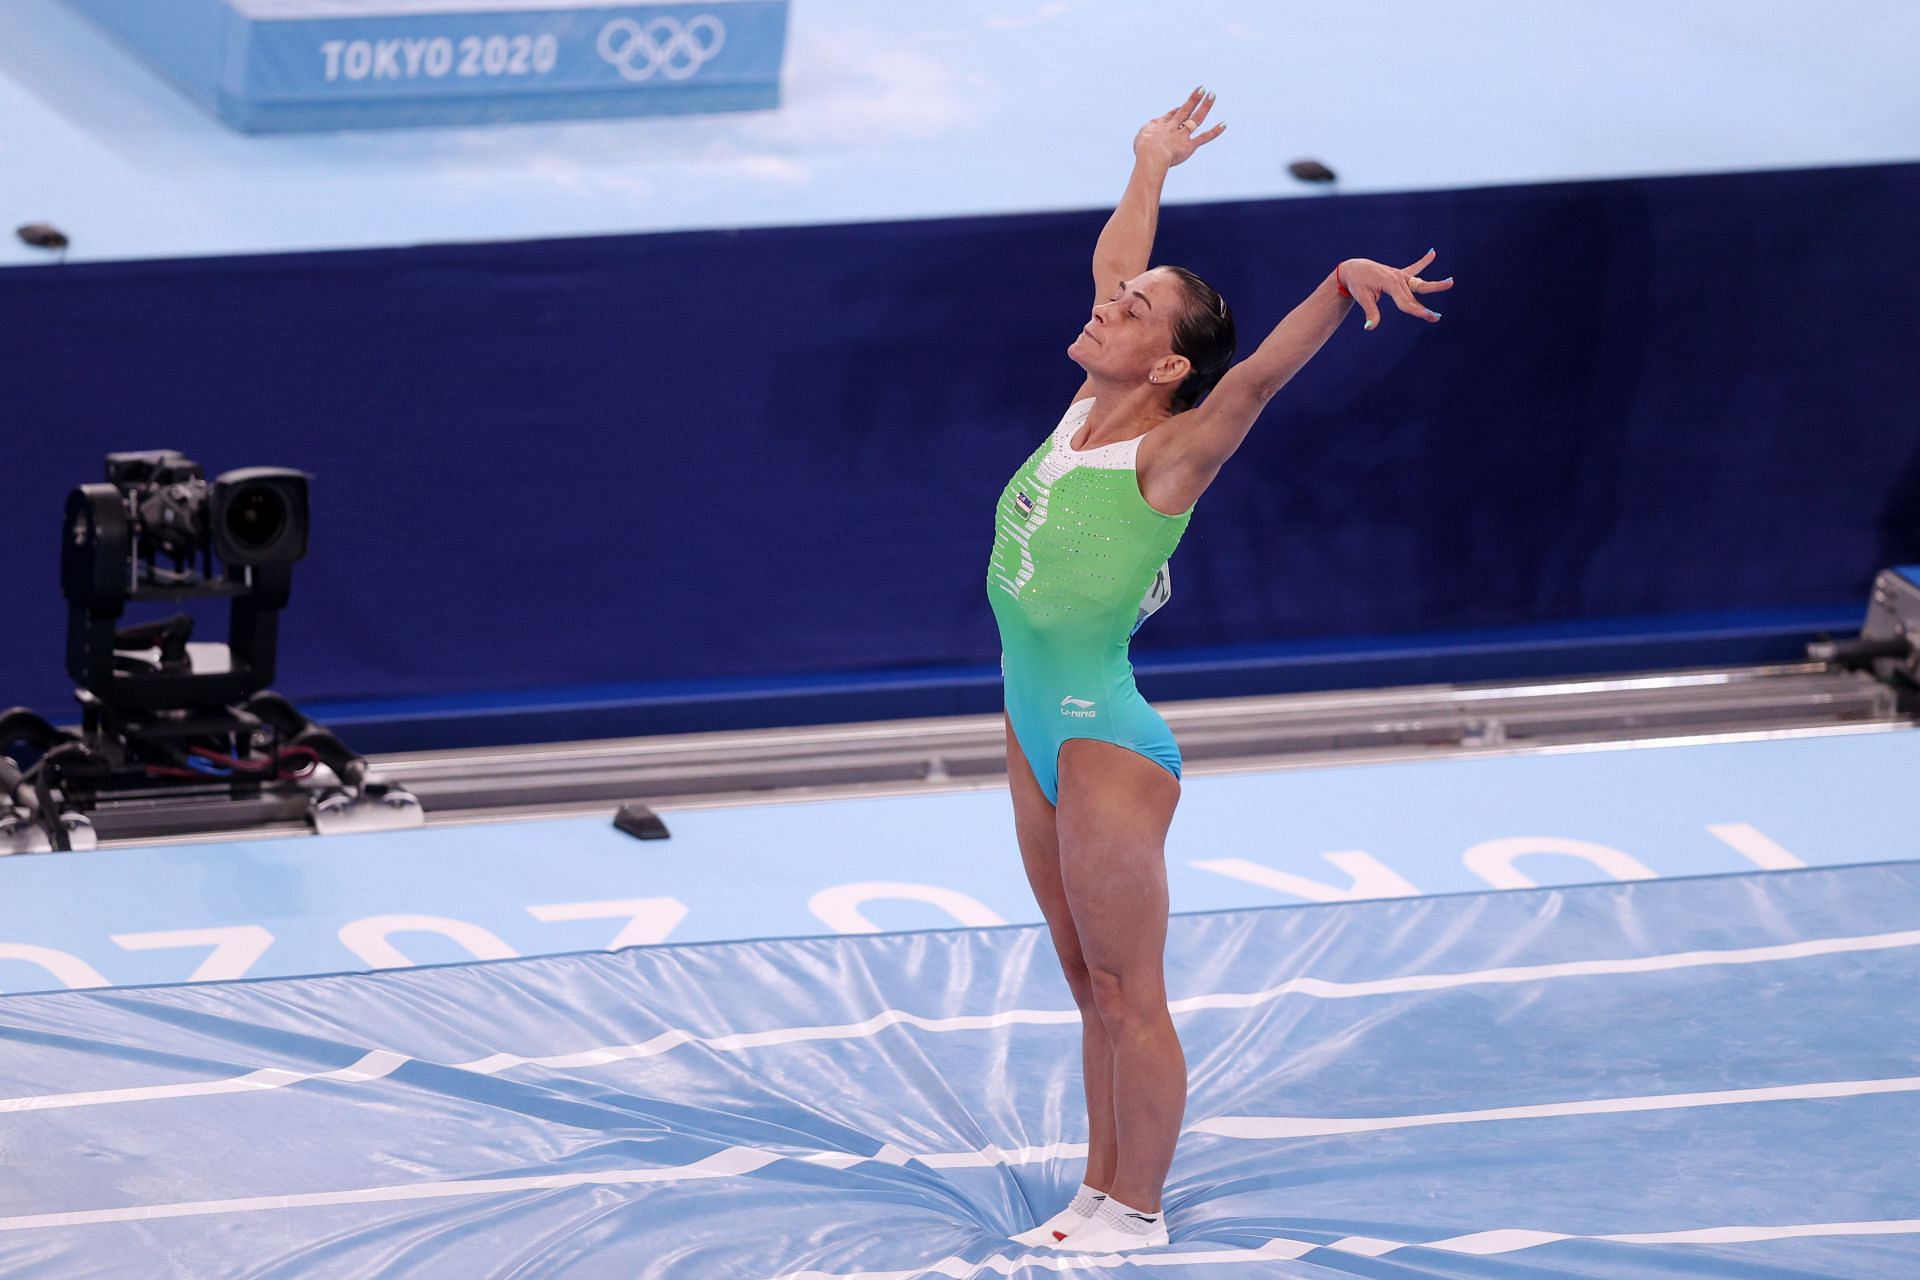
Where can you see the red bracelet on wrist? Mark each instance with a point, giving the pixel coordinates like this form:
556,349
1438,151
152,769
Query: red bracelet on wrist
1340,284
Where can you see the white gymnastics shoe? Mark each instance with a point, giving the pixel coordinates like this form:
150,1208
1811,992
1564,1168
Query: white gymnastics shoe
1055,1229
1116,1228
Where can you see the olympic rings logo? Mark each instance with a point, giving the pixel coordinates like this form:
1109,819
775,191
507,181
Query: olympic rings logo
665,45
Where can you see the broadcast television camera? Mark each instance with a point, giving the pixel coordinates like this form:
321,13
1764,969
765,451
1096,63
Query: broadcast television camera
254,522
177,735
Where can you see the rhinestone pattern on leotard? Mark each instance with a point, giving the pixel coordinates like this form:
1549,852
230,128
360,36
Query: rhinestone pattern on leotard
1074,536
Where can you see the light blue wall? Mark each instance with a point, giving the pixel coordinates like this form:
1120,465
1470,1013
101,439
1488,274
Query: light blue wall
905,110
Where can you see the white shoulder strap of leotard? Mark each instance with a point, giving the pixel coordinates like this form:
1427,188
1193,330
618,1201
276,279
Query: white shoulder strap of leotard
1118,456
1070,420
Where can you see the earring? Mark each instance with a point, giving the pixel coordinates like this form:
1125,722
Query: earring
1152,378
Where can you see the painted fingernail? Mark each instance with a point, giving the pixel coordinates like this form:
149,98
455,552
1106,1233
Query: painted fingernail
1433,315
1448,280
1433,251
1367,325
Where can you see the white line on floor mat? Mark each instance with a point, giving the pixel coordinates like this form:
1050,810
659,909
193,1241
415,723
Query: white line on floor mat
1271,1127
729,1163
1282,1249
384,1062
372,1066
739,1161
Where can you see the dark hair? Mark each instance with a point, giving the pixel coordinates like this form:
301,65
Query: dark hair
1204,335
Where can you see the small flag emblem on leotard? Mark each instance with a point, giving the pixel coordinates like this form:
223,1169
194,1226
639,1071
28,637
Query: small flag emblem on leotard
1023,502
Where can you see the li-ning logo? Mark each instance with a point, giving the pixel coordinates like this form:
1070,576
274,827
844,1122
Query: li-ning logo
668,46
1077,707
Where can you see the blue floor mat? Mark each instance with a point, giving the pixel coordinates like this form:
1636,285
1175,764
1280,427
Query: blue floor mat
1703,1077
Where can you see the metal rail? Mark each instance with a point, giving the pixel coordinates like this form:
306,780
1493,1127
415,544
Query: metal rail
1436,720
905,757
897,757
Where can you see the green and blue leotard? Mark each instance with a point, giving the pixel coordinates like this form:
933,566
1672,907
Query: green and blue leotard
1079,561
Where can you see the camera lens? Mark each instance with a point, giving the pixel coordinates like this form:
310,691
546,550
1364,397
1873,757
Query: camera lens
256,517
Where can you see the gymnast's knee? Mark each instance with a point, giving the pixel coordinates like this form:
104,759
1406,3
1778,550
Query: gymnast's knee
1122,1003
1080,983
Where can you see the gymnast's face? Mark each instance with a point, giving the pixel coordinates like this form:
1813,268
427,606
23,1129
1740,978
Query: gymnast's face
1131,333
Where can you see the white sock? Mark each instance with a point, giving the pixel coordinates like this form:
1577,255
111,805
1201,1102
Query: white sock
1086,1202
1126,1218
1116,1228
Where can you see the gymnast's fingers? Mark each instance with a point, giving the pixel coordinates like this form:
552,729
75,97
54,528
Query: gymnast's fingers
1369,303
1404,299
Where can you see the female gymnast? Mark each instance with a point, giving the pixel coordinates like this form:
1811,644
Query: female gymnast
1081,541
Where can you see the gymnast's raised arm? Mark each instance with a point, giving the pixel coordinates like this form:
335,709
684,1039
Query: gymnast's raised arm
1207,436
1126,243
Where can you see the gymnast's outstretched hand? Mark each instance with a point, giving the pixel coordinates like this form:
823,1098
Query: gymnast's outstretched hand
1171,138
1367,281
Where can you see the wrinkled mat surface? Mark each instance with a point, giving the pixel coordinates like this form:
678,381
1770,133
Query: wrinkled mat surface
1706,1077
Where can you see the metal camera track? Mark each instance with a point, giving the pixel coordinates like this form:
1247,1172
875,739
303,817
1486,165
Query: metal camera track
706,770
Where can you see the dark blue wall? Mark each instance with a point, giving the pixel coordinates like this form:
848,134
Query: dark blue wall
776,452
